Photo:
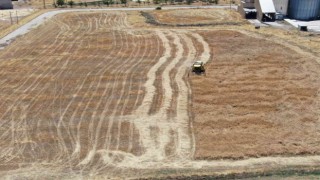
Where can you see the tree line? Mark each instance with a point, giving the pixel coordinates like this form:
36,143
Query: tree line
71,3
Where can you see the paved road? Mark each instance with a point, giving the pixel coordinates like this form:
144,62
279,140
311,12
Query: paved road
40,19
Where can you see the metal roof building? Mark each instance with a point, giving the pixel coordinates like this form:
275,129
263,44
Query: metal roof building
6,4
281,6
265,10
304,9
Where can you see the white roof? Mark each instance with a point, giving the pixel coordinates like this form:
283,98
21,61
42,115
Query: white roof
267,6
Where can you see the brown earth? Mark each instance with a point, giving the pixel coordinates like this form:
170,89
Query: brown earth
66,80
102,94
86,91
197,16
258,99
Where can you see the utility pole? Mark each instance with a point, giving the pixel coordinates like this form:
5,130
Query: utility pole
44,4
17,17
11,18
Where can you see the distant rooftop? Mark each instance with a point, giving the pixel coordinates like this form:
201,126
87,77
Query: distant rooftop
267,6
249,10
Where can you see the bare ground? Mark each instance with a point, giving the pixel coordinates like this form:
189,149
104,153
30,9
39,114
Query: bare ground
197,16
103,94
258,99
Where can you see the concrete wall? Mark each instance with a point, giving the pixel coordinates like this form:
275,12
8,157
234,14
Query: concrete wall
281,6
6,4
259,10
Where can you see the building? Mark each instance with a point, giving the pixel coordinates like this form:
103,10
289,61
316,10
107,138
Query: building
247,9
270,10
281,6
6,4
265,10
304,9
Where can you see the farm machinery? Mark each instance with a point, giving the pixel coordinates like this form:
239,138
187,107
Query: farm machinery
198,68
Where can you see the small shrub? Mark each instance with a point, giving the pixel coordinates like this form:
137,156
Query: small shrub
71,3
60,2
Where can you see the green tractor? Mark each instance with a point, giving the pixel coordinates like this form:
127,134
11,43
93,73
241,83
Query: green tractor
198,68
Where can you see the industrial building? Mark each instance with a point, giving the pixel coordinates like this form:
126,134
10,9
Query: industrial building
6,4
265,10
270,10
304,9
281,6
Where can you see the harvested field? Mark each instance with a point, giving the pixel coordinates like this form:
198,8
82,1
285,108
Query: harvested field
102,94
198,16
258,99
86,89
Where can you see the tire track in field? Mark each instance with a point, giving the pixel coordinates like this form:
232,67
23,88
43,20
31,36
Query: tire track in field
32,84
136,105
155,129
59,72
35,69
92,152
183,130
143,123
5,121
61,124
107,146
77,147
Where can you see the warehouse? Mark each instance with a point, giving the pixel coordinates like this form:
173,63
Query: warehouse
281,6
304,9
269,10
265,10
6,4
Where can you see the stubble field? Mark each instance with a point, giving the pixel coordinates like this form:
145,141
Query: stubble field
89,93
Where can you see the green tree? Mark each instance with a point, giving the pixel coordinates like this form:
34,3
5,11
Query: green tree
105,2
71,3
139,2
189,2
80,4
85,4
60,2
156,1
124,2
